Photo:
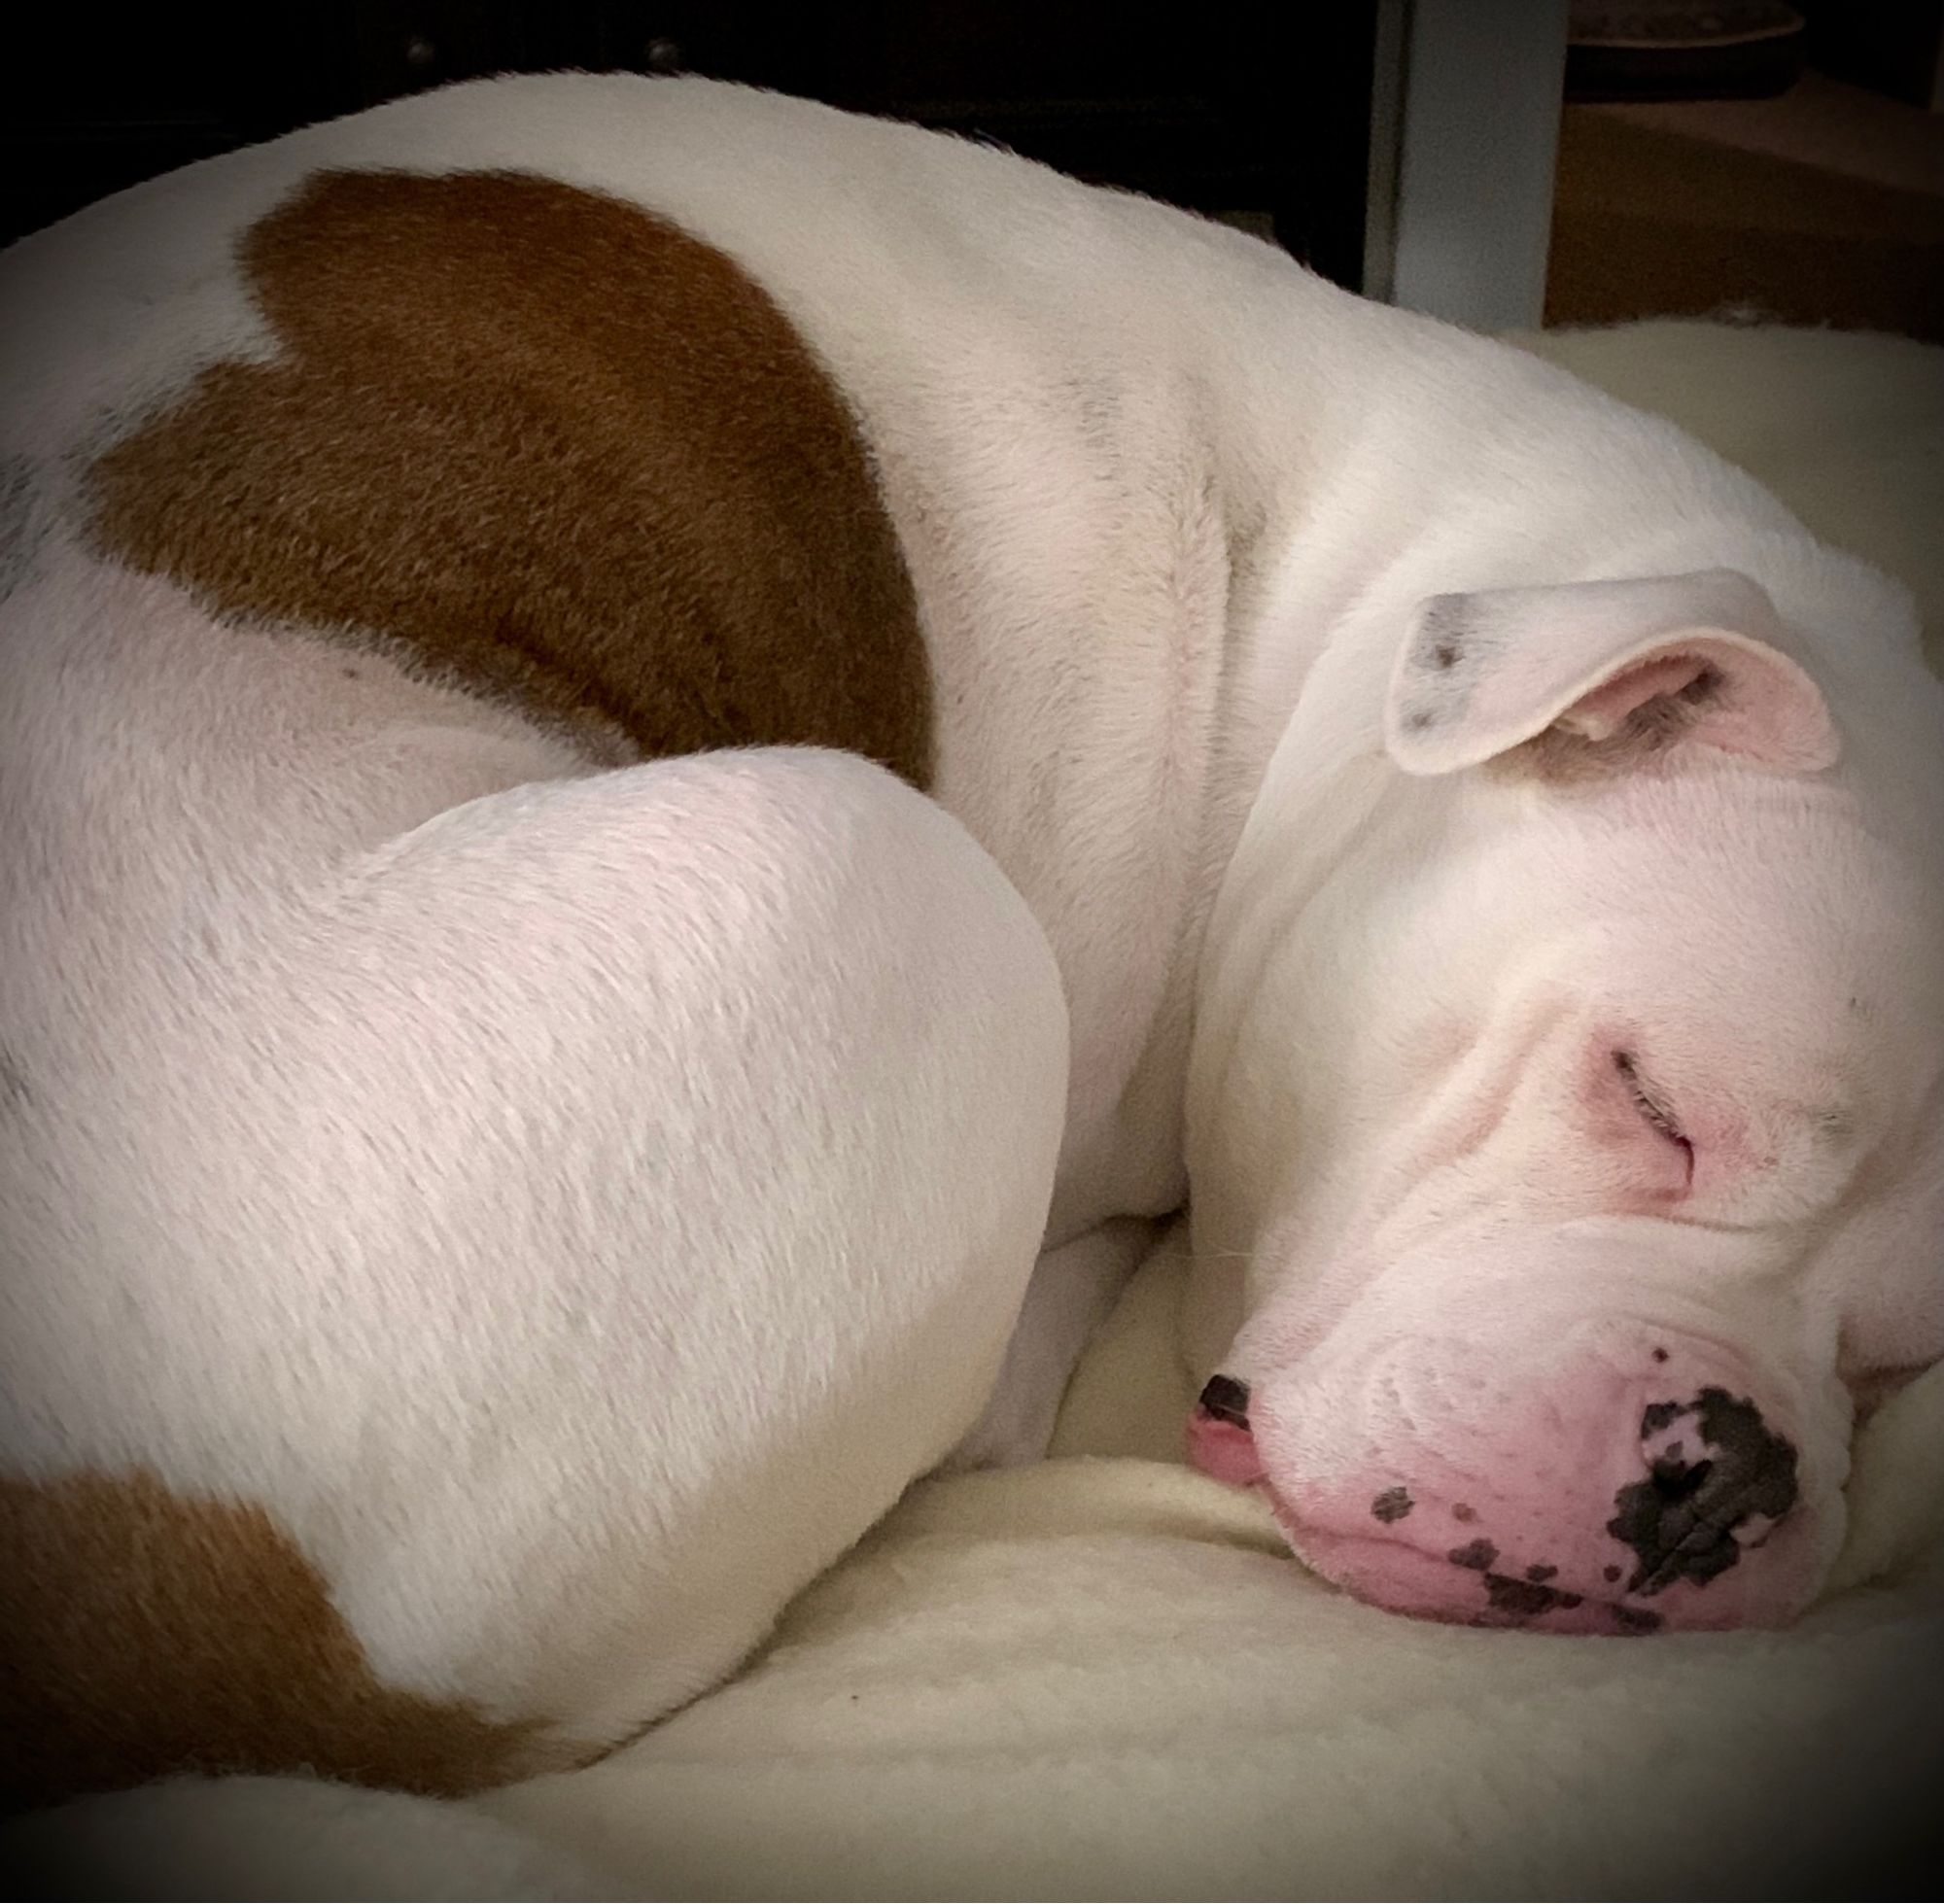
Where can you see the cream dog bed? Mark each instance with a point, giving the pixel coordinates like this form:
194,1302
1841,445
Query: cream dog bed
1105,1676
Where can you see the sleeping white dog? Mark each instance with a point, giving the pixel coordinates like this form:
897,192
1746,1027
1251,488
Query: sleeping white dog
523,1127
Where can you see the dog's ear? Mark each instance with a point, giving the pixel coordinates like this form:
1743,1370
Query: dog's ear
1601,675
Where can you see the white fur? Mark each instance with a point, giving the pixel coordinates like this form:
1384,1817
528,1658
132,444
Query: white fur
452,1251
1169,504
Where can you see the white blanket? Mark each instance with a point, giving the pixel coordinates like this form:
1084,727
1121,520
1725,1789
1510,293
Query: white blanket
1105,1676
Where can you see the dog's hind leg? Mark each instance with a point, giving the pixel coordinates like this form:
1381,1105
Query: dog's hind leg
598,1205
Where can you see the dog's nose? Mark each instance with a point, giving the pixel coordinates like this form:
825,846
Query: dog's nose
1639,1495
1226,1399
1219,1440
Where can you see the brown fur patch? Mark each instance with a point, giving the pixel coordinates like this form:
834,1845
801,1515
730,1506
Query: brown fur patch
554,447
144,1634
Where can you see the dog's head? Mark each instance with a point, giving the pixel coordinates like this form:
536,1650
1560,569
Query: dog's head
1576,1130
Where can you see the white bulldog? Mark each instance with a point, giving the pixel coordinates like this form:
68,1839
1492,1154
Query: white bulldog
518,1140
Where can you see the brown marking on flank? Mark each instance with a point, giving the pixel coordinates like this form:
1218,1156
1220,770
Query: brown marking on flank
553,449
143,1633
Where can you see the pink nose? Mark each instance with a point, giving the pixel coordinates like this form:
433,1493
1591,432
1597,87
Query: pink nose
1650,1505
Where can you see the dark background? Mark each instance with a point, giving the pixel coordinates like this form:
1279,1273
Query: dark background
1239,105
1802,179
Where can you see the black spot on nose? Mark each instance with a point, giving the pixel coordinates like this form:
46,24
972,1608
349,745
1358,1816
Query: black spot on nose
1393,1504
1676,1479
1226,1399
1636,1619
1525,1600
1681,1521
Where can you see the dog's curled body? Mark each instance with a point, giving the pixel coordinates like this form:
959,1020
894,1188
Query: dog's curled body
494,1197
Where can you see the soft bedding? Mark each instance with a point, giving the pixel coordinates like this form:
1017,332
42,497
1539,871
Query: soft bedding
1105,1676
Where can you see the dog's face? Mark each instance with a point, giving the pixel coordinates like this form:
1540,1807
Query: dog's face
1583,1146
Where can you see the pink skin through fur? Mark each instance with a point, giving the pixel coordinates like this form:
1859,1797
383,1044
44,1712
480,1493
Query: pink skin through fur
1676,1493
1610,1174
1585,1371
1578,1360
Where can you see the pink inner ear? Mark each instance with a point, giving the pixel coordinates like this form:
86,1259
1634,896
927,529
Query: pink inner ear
1604,712
1759,703
1479,674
